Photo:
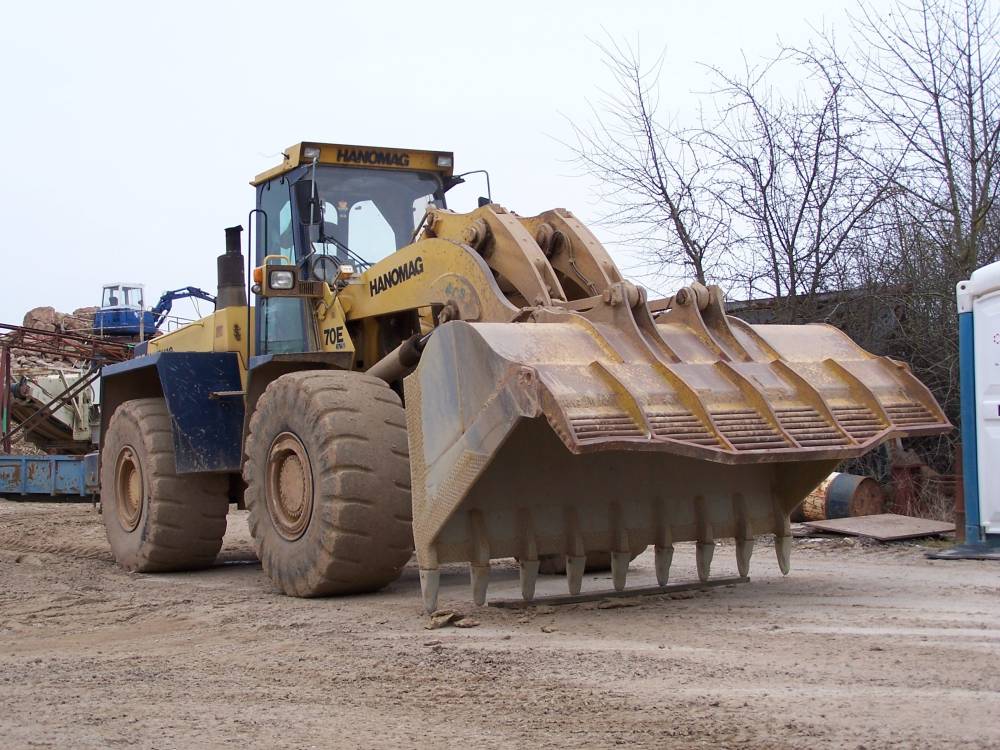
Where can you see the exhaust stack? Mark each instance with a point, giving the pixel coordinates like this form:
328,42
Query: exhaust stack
232,282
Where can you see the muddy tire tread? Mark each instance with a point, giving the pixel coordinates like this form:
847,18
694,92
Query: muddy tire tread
184,517
356,541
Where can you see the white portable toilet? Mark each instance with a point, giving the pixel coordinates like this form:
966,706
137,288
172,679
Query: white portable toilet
979,362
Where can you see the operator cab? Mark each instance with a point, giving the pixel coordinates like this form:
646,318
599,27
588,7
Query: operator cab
121,295
122,311
330,205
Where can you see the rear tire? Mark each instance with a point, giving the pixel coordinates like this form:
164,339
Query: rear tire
328,483
157,520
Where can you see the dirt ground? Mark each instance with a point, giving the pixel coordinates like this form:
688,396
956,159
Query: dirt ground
862,646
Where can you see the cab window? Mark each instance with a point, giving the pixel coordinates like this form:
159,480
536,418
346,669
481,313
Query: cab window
132,296
122,296
370,235
274,201
112,297
370,213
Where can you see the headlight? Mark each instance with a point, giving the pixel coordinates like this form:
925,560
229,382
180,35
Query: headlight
281,280
310,152
444,160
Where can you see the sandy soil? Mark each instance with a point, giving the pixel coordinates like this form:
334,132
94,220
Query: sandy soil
862,646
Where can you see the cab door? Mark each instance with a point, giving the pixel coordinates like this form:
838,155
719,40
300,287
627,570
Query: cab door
284,325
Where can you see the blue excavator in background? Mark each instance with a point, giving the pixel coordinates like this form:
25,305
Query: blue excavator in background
122,310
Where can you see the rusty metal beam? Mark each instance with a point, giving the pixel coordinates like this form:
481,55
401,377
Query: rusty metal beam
64,345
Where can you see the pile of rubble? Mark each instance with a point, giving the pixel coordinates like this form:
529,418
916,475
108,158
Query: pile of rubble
80,321
38,363
21,446
49,319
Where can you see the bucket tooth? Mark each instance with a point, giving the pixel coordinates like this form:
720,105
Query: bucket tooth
574,572
529,576
576,555
783,548
662,557
480,576
619,568
703,557
782,539
744,534
430,583
663,548
529,554
705,547
744,549
479,565
620,556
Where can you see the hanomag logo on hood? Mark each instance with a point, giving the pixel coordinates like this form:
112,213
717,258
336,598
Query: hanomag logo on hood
397,275
373,157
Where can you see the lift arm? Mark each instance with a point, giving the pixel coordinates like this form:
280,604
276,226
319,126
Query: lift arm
163,307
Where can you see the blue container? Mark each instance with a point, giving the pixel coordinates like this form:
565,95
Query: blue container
49,476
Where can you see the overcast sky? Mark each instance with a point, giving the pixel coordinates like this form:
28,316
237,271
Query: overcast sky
129,131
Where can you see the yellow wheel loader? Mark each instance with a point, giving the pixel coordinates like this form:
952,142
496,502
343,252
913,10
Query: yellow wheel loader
477,386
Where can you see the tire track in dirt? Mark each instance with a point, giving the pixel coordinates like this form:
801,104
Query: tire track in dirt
13,540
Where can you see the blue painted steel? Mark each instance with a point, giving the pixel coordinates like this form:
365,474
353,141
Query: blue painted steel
258,360
207,430
167,299
123,321
970,459
838,504
840,492
43,475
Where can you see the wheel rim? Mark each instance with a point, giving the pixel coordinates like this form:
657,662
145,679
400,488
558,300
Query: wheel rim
289,486
128,488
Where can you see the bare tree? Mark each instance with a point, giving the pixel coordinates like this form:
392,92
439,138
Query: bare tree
929,75
764,193
875,177
657,187
791,177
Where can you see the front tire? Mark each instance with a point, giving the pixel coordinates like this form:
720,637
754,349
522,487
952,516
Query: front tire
157,520
328,483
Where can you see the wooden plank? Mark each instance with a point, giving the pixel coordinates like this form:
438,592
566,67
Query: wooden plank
885,527
591,596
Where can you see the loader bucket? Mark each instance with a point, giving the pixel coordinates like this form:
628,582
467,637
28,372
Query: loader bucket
595,427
